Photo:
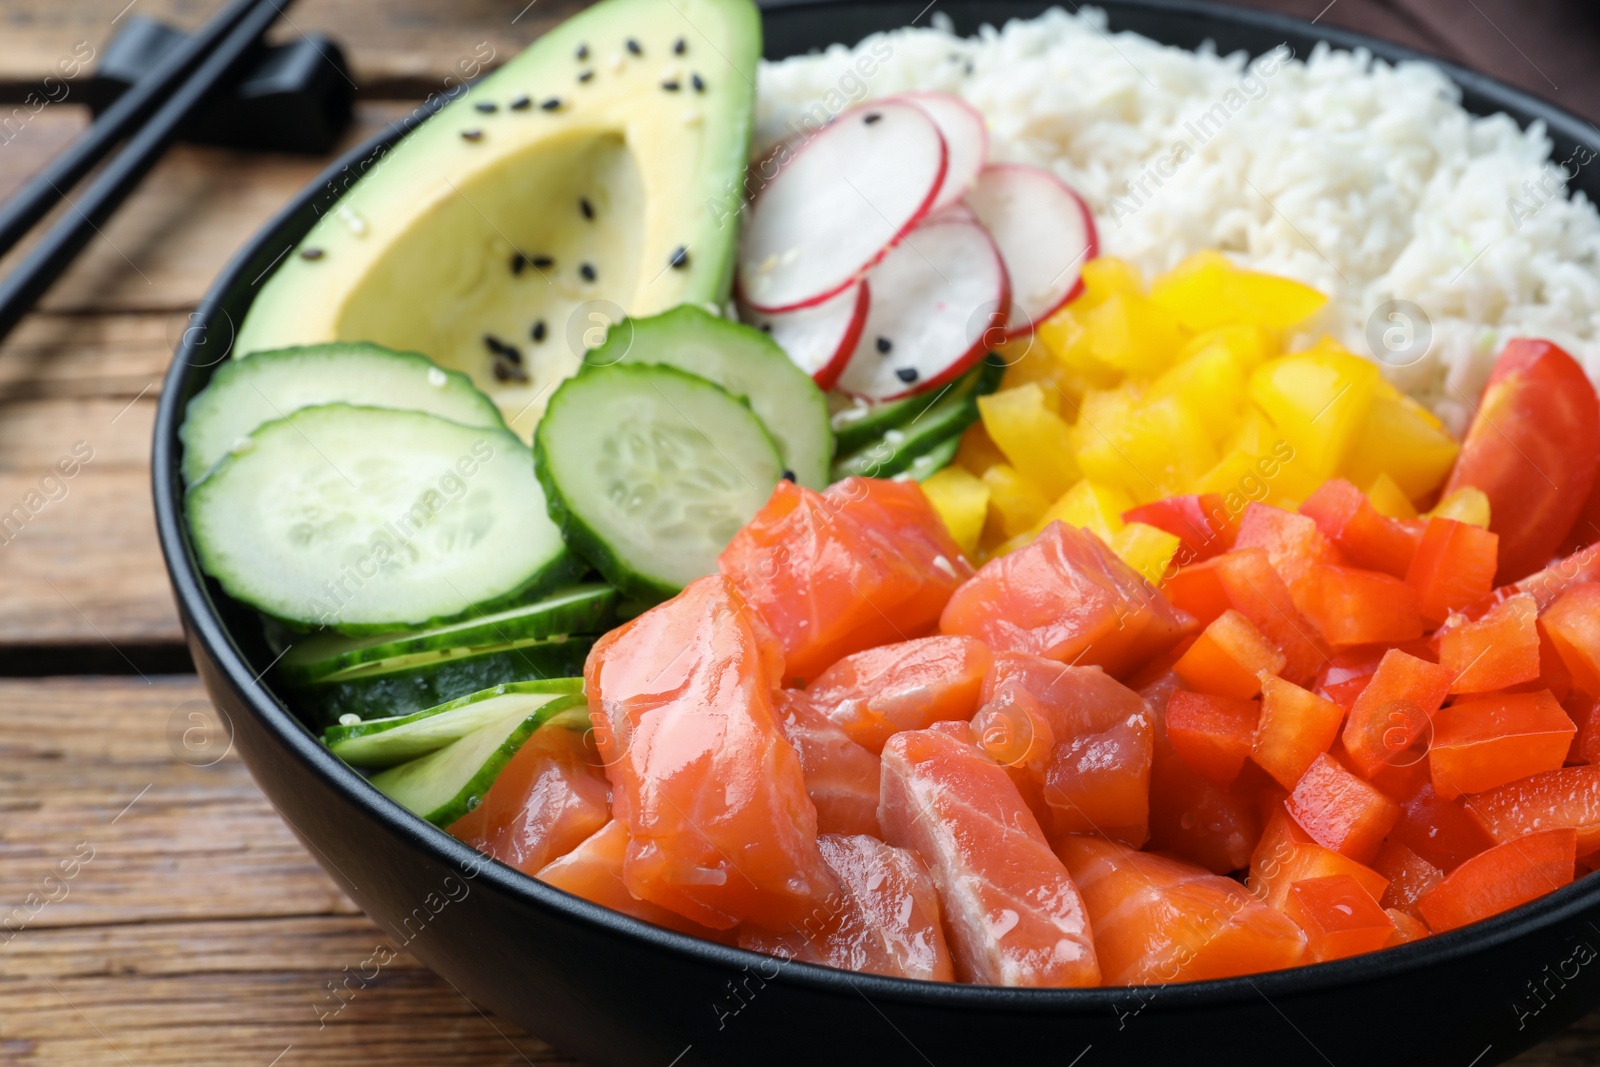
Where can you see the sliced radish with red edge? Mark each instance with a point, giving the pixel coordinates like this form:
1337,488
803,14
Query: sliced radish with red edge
839,204
966,138
819,339
1045,234
934,299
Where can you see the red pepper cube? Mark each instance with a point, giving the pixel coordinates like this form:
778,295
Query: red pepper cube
1296,727
1099,783
1228,657
1367,537
1358,607
1480,742
1202,522
1339,917
1573,626
1407,927
1293,542
1190,817
1585,712
1346,674
1501,878
1454,567
1394,712
1246,581
1497,651
1410,877
1568,798
1286,855
1212,734
1441,831
1341,811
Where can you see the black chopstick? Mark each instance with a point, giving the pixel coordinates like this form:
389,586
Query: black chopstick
63,241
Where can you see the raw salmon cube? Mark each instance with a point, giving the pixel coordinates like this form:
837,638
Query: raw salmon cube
1160,920
593,871
1212,734
1075,700
1013,914
1410,877
1245,581
1099,783
1339,917
1066,597
1228,657
908,685
1286,855
1295,728
1501,878
720,827
1480,742
1394,712
884,921
1499,650
901,512
1013,730
1365,537
1573,626
1340,811
841,776
1567,798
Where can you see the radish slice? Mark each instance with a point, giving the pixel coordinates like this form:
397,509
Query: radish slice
843,200
819,339
965,136
933,300
1045,234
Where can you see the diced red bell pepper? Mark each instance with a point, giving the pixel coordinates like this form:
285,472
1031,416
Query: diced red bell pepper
1347,673
1367,537
1201,522
1293,543
1585,713
1438,830
1410,876
1407,927
1228,657
1497,651
1296,727
1246,581
1573,625
1480,742
1286,855
1190,816
1394,712
1453,567
1501,878
1568,797
1099,783
1066,597
1340,918
1341,811
1212,734
1358,607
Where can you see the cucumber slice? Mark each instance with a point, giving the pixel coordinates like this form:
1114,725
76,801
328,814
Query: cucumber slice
650,471
932,461
858,423
370,520
380,743
444,785
897,448
426,679
245,393
745,362
581,609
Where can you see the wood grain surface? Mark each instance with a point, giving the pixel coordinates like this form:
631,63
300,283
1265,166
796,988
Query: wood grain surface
194,928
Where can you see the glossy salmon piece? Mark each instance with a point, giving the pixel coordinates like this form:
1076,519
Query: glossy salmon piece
837,572
1066,597
1099,783
887,918
593,871
1157,919
909,685
547,800
1076,700
841,776
721,829
1013,914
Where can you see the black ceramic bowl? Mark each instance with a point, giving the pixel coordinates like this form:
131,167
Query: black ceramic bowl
614,991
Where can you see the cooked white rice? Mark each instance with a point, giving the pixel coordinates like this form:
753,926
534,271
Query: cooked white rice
1366,180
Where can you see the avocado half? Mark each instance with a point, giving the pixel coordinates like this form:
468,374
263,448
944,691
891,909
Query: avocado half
596,174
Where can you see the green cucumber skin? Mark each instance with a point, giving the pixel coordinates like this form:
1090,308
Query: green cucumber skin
419,688
592,615
339,733
862,432
948,418
932,461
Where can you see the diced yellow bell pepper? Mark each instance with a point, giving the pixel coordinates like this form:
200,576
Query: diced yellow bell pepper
1105,276
1011,544
1258,464
1128,332
1389,498
1402,438
1211,384
1249,345
1318,400
1013,500
1065,336
1208,291
1090,505
1468,504
1146,549
1150,448
977,451
1036,441
962,500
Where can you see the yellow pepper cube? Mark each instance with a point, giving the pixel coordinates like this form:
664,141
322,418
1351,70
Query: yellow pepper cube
1250,346
1403,439
1036,441
1211,384
1152,448
962,500
1092,506
1468,504
1389,498
977,452
1105,276
1208,291
1318,400
1014,502
1146,549
1138,338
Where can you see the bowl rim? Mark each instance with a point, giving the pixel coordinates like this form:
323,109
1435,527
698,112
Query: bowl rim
204,624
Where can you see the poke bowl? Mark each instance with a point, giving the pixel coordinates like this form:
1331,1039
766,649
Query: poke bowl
1093,515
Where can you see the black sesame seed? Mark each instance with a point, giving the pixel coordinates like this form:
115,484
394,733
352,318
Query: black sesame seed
870,117
633,46
513,353
698,82
587,270
502,372
543,262
766,327
518,261
906,374
680,46
552,104
506,371
311,253
521,103
537,333
586,207
670,87
884,344
472,135
582,52
679,260
585,75
488,107
493,343
788,476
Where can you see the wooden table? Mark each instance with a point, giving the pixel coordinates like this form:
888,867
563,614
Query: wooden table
163,912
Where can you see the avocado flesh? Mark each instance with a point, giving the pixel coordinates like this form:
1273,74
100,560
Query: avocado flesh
422,252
